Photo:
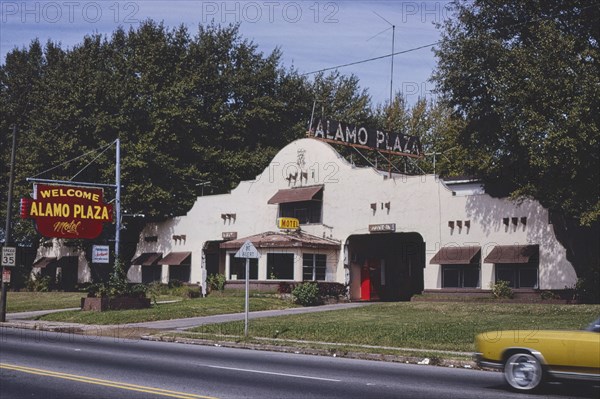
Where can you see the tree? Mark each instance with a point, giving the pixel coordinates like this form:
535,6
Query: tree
434,124
340,97
188,108
525,76
20,87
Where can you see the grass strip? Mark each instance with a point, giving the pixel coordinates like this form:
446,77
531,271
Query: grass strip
403,355
433,326
30,301
209,306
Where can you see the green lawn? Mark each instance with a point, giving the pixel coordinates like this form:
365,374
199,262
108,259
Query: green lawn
447,326
213,304
27,301
438,326
31,301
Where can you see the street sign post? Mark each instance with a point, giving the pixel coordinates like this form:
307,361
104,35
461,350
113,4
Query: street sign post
248,251
9,256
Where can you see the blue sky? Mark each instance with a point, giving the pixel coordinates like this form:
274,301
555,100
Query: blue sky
312,34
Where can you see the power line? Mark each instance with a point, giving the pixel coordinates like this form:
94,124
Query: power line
372,59
104,148
433,44
92,161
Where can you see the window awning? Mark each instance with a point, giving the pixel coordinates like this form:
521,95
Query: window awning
175,258
147,259
456,255
295,194
513,254
44,261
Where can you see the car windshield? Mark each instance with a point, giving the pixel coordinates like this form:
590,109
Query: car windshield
594,327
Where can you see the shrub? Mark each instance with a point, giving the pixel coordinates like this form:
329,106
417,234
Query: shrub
155,289
331,289
118,286
138,291
37,283
285,287
216,282
586,289
117,283
306,294
501,289
187,291
546,295
175,284
97,290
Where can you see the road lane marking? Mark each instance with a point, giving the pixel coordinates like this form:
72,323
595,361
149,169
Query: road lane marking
107,383
273,373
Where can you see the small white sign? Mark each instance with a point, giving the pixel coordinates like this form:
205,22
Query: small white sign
248,250
6,276
9,256
100,254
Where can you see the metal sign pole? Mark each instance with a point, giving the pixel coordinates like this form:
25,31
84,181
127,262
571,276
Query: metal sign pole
247,306
247,251
7,232
117,198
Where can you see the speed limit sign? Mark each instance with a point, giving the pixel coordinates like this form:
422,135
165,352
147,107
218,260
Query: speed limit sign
9,256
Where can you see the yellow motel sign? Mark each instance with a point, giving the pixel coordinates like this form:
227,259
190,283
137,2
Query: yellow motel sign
288,223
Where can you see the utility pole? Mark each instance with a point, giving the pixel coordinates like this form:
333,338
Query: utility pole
117,198
7,236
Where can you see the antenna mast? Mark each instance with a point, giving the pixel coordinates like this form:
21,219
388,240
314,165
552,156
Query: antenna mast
393,49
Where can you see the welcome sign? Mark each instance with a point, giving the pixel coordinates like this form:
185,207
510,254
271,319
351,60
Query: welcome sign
67,211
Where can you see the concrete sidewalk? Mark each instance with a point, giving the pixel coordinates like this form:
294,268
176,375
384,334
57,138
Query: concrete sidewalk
23,319
33,314
182,324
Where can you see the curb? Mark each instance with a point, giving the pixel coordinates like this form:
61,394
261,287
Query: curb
82,329
451,363
61,328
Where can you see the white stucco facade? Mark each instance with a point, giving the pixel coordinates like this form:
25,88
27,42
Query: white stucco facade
54,258
418,215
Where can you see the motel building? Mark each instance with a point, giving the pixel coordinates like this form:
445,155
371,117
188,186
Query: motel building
387,236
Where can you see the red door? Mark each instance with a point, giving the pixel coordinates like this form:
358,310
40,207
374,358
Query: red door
370,284
365,283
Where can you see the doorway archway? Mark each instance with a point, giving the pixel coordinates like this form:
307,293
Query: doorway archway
386,266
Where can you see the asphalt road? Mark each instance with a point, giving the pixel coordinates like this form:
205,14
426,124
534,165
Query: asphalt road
40,364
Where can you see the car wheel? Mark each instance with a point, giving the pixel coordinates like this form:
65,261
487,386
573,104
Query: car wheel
523,372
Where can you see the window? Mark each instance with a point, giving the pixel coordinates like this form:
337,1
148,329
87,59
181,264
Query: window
280,266
313,267
180,273
518,275
460,276
237,268
306,212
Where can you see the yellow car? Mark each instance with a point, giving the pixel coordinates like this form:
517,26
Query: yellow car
529,357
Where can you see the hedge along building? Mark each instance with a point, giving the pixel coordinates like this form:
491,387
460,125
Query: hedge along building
387,236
